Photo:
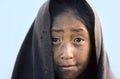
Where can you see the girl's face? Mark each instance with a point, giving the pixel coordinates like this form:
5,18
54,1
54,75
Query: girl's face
71,46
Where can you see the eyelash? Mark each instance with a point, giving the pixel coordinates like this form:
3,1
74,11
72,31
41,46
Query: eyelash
56,40
78,41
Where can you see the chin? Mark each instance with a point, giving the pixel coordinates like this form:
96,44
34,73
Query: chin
67,74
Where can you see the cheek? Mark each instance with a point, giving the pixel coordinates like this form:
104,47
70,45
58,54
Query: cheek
82,54
56,53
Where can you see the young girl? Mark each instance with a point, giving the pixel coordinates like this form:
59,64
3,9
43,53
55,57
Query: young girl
64,42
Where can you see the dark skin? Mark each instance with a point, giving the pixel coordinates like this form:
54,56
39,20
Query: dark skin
71,45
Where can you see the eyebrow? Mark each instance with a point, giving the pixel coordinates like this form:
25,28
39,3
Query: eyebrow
77,30
57,30
80,30
72,30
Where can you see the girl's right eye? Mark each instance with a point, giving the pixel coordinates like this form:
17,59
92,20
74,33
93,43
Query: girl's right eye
55,40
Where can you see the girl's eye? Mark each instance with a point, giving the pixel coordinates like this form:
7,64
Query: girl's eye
78,40
55,40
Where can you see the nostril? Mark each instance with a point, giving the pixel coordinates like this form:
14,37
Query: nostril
66,58
62,57
70,57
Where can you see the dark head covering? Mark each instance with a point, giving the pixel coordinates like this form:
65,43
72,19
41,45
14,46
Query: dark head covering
35,59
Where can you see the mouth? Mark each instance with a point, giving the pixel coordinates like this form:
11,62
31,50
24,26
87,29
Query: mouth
67,67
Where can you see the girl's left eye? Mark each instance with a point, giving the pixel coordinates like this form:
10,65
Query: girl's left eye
78,40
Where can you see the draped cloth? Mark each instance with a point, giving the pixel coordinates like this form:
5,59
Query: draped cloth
35,58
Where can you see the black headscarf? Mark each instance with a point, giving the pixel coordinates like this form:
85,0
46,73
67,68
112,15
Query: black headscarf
35,58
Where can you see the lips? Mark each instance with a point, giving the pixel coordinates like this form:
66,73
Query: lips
66,65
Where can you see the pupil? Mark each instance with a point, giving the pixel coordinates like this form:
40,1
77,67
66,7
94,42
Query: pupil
54,39
78,39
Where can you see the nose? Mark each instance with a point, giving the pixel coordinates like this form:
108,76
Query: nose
67,53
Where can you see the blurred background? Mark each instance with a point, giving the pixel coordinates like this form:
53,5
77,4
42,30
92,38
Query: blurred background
16,17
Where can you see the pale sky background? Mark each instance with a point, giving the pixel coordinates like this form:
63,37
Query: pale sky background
16,16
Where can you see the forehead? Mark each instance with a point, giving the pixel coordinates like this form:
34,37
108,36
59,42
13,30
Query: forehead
67,20
68,14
